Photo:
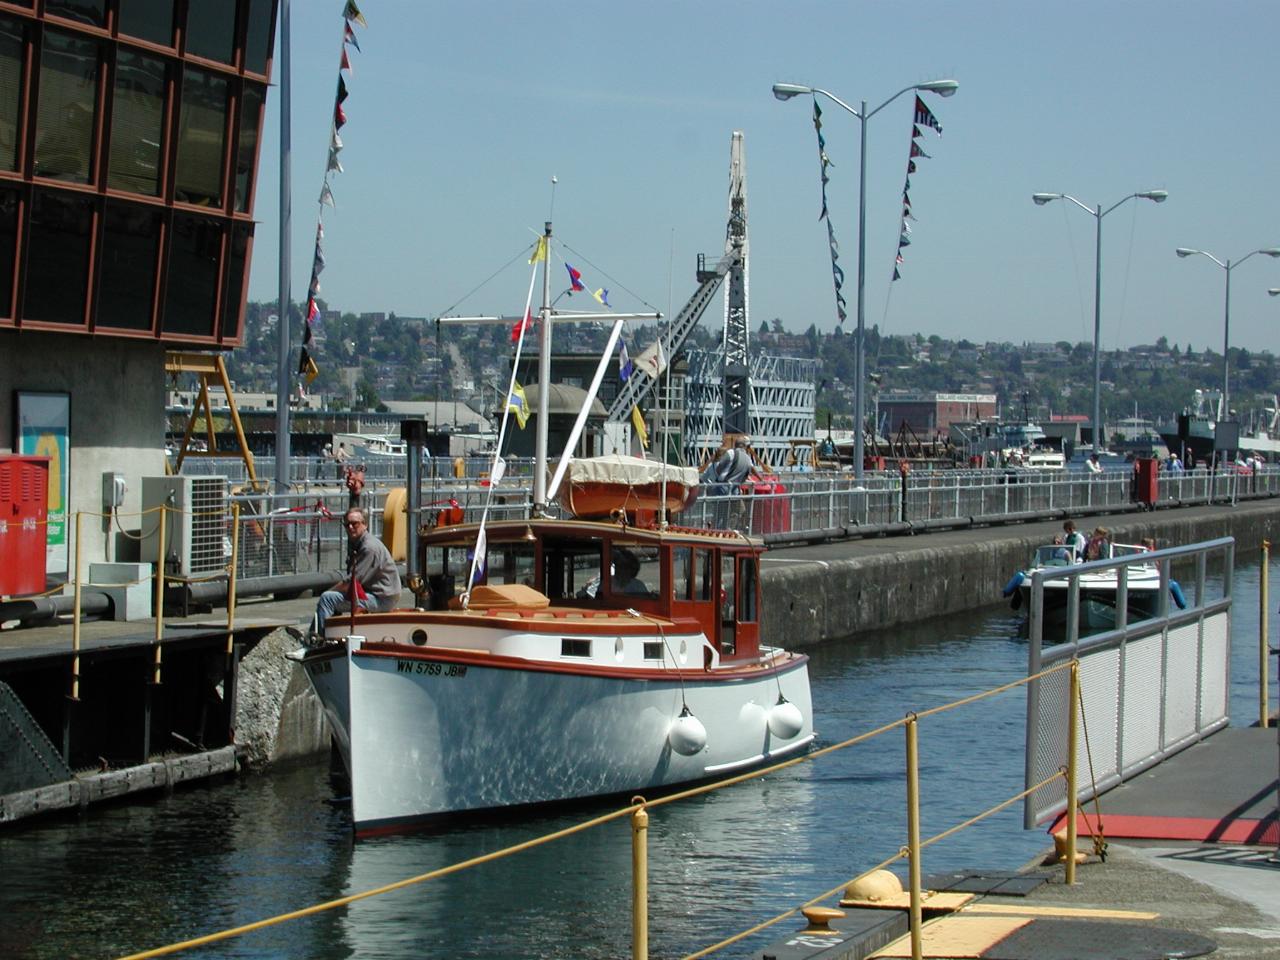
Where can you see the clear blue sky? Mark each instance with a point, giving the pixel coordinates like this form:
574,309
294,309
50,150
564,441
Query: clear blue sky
460,113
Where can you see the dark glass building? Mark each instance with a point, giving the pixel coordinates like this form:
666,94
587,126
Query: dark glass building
129,135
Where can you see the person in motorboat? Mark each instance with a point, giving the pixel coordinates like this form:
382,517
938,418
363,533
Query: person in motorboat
1073,538
1099,545
371,574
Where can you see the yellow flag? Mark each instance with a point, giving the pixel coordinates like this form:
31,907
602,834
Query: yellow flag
312,371
540,251
637,421
518,405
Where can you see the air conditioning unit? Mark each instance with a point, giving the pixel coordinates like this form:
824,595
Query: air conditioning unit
195,523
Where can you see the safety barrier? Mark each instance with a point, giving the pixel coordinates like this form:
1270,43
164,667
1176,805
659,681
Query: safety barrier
1157,680
637,812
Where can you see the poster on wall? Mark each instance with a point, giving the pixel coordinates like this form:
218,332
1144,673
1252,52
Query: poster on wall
44,430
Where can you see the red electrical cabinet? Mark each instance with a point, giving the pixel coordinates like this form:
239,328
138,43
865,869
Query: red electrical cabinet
1146,481
24,510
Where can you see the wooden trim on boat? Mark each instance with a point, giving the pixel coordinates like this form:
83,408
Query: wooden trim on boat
724,673
557,620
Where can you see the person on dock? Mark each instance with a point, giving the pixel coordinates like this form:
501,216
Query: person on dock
1093,464
372,577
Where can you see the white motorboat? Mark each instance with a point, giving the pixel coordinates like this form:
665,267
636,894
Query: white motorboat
561,659
559,681
1099,586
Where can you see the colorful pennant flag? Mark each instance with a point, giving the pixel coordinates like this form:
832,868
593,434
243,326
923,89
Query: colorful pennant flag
824,161
326,195
642,431
520,326
925,116
480,557
349,36
602,296
352,12
575,279
518,405
625,367
651,360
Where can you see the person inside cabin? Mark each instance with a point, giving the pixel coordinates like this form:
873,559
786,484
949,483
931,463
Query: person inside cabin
1073,538
371,573
626,570
1099,545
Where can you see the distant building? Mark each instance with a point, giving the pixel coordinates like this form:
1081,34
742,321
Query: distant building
933,413
129,138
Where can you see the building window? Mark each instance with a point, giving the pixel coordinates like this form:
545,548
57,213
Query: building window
150,20
137,124
57,257
211,29
11,37
257,41
201,136
92,13
247,149
233,295
127,270
191,288
8,248
68,102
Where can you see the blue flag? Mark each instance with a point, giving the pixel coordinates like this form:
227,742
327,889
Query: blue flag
625,366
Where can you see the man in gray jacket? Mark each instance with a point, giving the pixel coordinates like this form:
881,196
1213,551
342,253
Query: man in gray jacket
370,566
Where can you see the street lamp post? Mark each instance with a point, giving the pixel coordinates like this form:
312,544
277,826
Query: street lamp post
785,91
1227,267
1156,196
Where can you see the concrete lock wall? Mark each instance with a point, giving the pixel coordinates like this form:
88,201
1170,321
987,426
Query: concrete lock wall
116,388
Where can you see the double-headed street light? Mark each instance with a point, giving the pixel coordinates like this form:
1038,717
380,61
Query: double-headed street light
785,91
1156,196
1227,267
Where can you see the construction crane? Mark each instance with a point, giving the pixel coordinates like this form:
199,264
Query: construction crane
737,384
737,377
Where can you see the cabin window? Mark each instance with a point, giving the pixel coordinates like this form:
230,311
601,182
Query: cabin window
653,649
634,571
571,570
682,572
511,563
704,566
747,590
575,648
728,608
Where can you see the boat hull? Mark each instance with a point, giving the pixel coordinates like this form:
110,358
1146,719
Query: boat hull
428,734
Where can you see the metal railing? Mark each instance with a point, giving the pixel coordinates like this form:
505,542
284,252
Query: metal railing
1156,681
291,533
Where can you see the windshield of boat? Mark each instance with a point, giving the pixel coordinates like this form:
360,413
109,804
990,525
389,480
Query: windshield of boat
1053,555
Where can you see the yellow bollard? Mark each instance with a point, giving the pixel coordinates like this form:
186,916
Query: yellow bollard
1073,692
913,834
231,579
75,623
639,882
1264,709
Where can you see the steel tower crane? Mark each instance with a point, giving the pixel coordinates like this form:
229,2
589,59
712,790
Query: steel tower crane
737,377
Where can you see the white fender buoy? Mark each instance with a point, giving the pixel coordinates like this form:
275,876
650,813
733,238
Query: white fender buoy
687,735
785,719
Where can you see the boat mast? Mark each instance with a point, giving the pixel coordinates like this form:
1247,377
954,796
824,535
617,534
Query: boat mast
544,383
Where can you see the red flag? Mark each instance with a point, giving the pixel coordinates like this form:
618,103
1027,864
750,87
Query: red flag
575,278
346,62
339,116
520,326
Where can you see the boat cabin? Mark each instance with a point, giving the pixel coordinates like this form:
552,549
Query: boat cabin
709,576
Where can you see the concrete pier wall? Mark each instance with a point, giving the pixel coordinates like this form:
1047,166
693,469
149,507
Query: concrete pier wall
821,593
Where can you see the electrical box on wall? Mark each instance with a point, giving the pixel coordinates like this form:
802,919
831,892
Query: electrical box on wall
113,491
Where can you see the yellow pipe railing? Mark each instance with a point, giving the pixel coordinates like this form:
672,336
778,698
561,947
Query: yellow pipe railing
639,817
1264,652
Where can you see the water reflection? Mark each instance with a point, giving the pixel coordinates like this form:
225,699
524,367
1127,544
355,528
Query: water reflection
205,858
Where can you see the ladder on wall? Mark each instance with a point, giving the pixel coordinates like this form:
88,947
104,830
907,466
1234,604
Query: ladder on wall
209,367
